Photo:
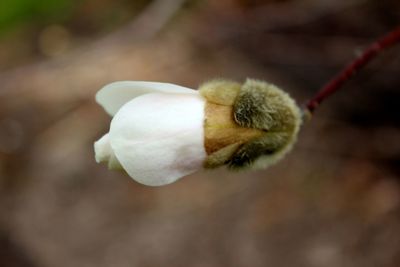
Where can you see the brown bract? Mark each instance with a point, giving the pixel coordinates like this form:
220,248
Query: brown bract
222,132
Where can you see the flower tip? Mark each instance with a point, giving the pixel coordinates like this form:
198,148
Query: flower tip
105,154
102,149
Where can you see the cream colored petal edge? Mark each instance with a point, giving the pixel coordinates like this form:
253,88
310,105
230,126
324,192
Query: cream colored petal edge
102,149
104,153
114,95
159,138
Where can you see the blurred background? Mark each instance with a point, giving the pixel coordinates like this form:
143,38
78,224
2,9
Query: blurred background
334,201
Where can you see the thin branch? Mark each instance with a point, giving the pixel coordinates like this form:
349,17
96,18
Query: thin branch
336,83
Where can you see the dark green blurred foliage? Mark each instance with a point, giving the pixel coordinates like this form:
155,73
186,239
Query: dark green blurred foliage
87,16
31,30
15,12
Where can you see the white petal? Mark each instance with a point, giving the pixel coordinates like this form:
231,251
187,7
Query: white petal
159,138
114,95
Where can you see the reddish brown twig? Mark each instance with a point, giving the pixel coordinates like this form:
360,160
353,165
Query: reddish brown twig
371,52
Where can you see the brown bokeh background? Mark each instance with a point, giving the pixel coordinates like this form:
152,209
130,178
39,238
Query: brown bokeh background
334,201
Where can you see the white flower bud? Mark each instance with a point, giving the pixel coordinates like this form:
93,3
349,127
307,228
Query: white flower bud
161,132
157,133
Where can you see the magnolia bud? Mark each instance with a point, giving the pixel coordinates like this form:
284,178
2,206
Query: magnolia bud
161,132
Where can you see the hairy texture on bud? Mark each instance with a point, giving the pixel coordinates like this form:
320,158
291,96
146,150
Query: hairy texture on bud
248,126
220,92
